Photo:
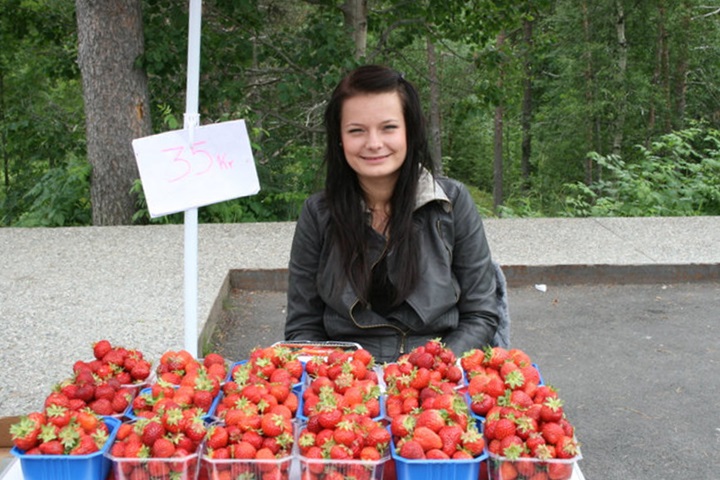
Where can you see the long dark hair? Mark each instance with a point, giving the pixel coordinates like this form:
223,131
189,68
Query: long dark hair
344,194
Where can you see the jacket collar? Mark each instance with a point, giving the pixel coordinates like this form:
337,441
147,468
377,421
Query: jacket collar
429,190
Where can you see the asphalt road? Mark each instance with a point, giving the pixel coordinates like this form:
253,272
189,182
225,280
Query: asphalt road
637,367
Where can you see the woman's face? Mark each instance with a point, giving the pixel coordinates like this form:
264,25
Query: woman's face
373,136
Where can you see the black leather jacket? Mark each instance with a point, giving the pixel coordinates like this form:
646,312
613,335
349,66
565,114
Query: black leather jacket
454,299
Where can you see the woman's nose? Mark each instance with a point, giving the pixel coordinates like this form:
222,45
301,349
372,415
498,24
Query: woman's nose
374,141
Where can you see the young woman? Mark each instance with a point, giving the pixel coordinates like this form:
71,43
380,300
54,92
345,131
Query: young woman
388,255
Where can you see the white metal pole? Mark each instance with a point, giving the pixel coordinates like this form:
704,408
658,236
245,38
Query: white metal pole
191,120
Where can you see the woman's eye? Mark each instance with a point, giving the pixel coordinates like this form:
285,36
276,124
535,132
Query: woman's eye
390,127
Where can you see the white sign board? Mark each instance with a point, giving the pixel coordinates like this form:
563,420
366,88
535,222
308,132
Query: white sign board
191,168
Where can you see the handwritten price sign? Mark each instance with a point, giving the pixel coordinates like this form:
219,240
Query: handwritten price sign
179,172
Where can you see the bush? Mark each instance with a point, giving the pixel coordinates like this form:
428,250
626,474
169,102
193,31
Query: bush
677,175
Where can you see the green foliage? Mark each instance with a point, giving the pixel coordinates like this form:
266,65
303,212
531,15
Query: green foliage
274,63
61,198
678,174
41,112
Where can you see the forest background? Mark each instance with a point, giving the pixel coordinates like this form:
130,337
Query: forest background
543,108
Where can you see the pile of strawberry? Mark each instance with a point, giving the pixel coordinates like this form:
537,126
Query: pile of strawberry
418,375
260,450
255,418
160,446
430,419
497,376
106,384
524,419
341,383
181,368
73,433
349,446
184,382
267,379
343,436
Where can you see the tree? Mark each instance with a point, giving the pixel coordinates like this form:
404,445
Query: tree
117,105
356,13
498,169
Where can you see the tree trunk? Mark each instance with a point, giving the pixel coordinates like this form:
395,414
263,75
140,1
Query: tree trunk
3,144
589,77
435,120
666,82
355,12
117,105
498,138
621,99
657,71
681,71
527,106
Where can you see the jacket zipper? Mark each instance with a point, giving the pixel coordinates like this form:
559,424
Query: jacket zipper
403,334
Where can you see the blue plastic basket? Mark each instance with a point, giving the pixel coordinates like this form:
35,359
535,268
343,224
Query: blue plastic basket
69,467
407,469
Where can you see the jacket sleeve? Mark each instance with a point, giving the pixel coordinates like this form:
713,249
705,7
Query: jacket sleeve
473,268
304,306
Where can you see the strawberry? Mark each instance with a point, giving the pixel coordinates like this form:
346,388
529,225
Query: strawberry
451,436
163,448
552,432
508,470
552,410
412,450
217,437
121,401
378,437
150,430
84,446
102,407
87,420
370,454
559,471
495,357
25,432
243,450
104,391
57,398
364,356
432,419
53,447
329,418
473,442
472,360
427,438
101,348
203,399
273,424
481,403
454,374
212,359
195,429
436,454
402,425
340,452
504,427
520,399
58,415
141,370
566,447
